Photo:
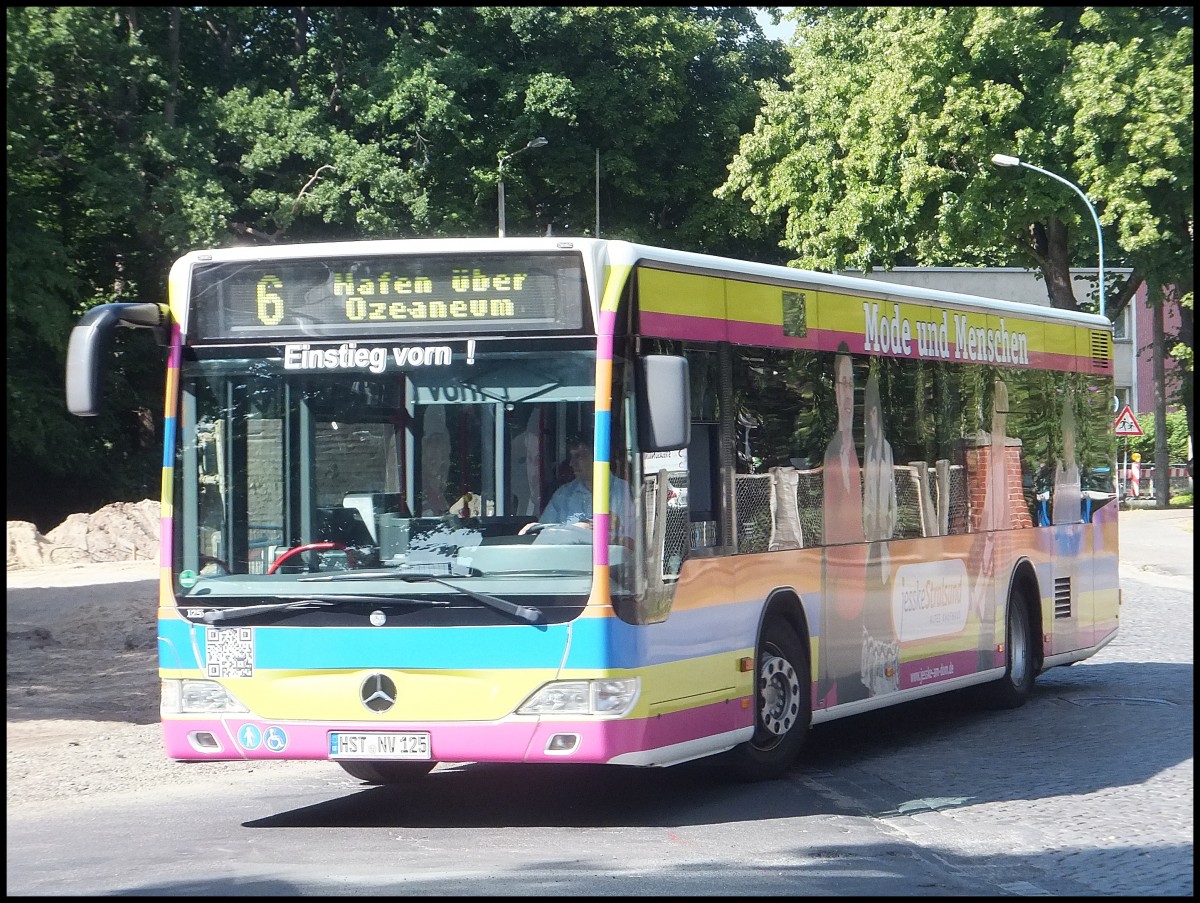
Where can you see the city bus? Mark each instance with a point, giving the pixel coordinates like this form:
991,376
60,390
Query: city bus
806,496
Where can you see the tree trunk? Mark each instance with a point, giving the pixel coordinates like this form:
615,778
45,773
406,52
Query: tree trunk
1186,338
1123,294
1158,350
1050,251
172,65
128,116
299,48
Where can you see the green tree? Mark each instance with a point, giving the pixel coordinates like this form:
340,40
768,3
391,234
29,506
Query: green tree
77,235
1131,89
1177,437
399,117
876,150
136,134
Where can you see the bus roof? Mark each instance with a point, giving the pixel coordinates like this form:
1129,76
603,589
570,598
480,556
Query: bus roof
600,253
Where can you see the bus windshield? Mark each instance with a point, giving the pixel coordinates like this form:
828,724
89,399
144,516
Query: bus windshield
444,471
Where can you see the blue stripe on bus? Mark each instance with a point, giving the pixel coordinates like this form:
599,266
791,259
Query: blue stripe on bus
317,648
175,647
603,432
612,643
597,643
459,648
168,441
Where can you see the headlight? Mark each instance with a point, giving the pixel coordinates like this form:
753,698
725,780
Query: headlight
198,697
609,696
614,697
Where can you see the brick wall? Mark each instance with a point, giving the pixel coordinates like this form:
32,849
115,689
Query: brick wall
977,460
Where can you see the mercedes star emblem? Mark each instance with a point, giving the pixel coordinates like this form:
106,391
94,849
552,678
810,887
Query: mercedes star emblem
378,693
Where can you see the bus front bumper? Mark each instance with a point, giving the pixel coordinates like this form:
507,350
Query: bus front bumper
657,740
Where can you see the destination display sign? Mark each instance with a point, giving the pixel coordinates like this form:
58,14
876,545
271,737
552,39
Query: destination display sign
377,296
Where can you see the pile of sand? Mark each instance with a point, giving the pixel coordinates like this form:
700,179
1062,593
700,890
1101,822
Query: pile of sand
122,531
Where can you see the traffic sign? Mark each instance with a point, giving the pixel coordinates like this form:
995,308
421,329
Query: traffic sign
1126,424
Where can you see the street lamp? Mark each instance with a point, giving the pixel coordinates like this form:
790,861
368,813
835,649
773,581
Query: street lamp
536,142
1006,160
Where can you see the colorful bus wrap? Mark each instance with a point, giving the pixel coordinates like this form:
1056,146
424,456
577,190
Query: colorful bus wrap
538,500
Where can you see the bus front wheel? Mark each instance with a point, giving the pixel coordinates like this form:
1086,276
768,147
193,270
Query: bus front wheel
387,772
782,705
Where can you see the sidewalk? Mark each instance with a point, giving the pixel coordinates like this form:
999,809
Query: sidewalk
1157,541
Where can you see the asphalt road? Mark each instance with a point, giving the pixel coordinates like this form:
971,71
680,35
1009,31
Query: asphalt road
1086,790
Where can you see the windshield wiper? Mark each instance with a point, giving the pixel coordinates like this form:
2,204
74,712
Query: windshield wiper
390,572
543,572
306,603
524,612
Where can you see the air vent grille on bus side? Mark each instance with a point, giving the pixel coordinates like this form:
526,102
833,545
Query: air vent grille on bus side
1062,597
1102,350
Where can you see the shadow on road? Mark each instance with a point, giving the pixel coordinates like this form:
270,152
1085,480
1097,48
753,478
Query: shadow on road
1073,737
878,869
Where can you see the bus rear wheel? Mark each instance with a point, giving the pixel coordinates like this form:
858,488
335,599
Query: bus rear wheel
387,772
1016,685
782,705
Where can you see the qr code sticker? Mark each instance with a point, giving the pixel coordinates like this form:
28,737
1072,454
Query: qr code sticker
229,651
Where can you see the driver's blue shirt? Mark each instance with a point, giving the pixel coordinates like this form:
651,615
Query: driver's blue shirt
572,503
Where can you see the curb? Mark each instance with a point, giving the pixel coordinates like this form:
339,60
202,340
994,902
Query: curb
1151,505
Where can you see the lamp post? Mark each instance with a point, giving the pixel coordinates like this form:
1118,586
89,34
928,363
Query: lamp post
1006,160
536,142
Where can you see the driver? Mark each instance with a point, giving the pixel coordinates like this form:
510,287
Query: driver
572,502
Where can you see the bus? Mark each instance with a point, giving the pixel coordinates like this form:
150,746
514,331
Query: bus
806,496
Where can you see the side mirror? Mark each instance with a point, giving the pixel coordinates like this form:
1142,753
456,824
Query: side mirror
89,343
664,403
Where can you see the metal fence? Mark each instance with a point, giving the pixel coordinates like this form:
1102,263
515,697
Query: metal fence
784,508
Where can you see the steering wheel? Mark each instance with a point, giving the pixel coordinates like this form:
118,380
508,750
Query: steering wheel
313,547
539,526
206,560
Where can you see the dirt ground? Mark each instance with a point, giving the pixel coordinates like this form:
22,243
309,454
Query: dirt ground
81,662
83,686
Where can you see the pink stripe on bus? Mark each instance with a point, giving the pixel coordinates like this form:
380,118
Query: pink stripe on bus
515,741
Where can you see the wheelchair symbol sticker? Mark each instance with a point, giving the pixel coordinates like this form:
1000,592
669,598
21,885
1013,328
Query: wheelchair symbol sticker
275,739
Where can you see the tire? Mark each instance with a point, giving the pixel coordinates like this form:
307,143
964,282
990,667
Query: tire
782,705
1011,691
387,772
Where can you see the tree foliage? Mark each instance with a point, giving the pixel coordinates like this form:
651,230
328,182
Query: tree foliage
1177,437
79,233
137,134
876,150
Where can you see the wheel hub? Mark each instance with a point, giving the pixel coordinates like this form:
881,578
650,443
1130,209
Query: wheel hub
779,689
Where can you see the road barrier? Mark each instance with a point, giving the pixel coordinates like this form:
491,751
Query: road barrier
1137,480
